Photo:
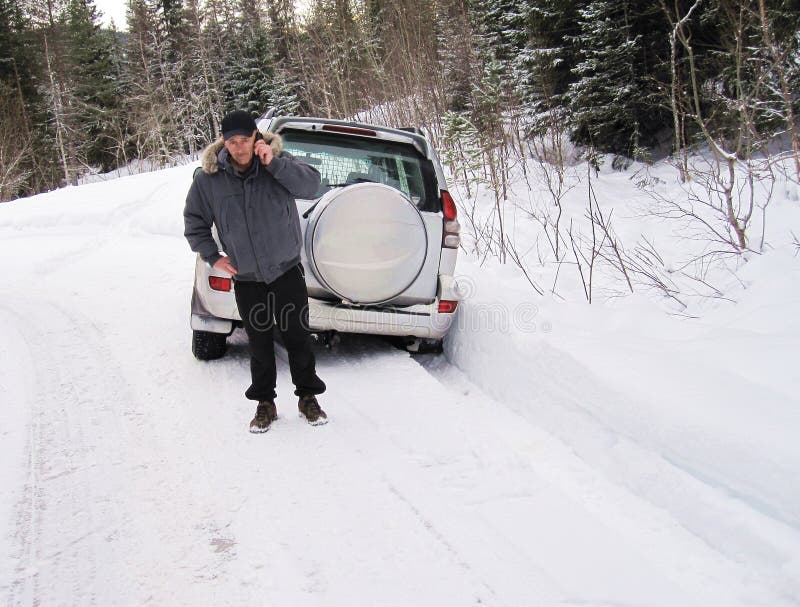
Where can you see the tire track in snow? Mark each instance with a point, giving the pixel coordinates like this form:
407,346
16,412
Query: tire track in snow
98,502
56,483
523,474
464,484
378,470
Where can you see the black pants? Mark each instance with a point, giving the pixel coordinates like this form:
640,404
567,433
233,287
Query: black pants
261,306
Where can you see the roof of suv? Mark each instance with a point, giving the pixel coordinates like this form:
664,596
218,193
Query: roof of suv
358,129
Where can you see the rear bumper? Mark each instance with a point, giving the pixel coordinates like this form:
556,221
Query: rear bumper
216,312
417,321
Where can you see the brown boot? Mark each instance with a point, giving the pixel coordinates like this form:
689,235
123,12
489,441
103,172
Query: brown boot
266,413
310,409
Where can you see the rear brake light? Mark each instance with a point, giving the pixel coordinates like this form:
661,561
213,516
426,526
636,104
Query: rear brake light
450,236
352,130
447,307
448,206
218,283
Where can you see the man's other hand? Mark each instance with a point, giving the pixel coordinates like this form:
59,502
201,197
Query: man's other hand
264,152
224,264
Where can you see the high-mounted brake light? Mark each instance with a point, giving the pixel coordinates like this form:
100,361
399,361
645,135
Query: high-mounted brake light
451,233
447,307
218,283
350,130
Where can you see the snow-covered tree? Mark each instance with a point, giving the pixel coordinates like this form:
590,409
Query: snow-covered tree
94,91
250,71
147,72
18,97
612,101
543,67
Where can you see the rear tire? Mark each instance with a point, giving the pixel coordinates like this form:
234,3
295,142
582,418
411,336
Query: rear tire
208,346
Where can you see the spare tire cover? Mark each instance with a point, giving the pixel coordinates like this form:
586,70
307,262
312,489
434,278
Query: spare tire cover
366,243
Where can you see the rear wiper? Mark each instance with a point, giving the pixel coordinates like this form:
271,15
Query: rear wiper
311,208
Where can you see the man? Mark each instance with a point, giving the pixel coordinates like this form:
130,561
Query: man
247,189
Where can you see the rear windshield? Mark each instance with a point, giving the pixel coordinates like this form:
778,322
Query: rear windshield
344,159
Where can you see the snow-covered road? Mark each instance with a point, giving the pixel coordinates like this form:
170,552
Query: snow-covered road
129,477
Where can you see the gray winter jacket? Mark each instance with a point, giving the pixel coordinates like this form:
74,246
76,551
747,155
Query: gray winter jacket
255,214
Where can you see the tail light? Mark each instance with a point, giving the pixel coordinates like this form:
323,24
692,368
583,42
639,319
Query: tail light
218,283
451,234
447,307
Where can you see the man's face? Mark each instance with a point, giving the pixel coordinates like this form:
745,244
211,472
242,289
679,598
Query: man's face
241,149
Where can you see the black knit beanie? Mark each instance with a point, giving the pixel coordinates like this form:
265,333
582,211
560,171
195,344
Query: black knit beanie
237,123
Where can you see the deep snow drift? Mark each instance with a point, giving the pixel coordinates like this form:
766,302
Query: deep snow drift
557,454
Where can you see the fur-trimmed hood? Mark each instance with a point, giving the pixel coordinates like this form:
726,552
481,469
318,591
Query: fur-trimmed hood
210,155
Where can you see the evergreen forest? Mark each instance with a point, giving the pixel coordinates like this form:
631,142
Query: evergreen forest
630,78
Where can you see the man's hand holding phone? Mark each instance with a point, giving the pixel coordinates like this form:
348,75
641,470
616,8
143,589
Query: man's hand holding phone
263,151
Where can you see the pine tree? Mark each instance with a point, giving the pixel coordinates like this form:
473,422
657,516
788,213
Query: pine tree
253,74
217,27
94,93
203,74
489,98
249,82
461,147
177,65
503,27
333,59
18,57
501,35
281,30
17,95
613,101
286,85
149,104
543,67
14,68
457,57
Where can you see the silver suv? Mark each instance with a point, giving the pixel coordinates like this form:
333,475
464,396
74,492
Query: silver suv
380,239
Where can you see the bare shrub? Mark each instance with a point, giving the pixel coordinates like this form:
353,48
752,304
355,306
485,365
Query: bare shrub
16,145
